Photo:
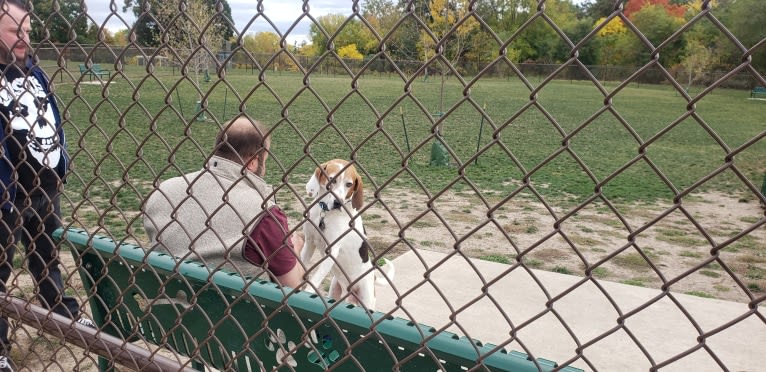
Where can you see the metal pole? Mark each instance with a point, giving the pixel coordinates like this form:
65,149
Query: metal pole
406,137
225,95
93,340
180,105
478,141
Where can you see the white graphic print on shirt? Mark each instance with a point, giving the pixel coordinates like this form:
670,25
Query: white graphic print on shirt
28,109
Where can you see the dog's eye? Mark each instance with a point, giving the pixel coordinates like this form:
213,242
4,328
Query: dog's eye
349,184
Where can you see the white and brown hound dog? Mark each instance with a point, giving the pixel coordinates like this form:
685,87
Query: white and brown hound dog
334,220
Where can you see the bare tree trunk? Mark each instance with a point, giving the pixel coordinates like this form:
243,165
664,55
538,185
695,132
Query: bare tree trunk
439,129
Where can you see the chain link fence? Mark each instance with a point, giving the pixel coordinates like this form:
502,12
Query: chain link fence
617,179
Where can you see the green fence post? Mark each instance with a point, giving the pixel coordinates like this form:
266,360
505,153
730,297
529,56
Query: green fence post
199,113
439,154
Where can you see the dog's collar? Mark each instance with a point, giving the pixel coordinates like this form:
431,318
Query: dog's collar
325,208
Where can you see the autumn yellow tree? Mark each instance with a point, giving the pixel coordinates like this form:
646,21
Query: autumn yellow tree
699,53
121,37
350,52
609,34
263,46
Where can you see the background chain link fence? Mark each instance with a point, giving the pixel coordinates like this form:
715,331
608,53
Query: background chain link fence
599,173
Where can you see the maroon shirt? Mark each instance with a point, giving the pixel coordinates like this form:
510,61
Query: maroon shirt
269,244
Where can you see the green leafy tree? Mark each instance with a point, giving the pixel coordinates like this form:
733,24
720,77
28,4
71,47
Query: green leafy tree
64,20
149,23
546,45
406,37
329,28
746,19
505,17
656,24
121,37
262,43
596,9
383,16
588,52
700,54
697,60
98,34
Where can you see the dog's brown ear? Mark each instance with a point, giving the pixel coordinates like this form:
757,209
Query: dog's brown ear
314,185
321,174
357,200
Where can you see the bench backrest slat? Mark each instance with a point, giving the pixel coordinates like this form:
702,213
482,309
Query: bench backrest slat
228,322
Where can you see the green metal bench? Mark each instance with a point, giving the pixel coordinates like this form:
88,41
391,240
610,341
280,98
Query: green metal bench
758,91
94,71
223,321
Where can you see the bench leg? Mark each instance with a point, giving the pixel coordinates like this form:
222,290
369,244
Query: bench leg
199,366
103,365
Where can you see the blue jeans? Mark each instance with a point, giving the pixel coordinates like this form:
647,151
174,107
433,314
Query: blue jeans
33,224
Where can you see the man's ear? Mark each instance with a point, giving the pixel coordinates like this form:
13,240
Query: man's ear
254,163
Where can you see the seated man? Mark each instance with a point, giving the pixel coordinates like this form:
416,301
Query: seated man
224,215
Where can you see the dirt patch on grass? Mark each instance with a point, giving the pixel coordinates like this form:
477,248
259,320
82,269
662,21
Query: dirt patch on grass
639,244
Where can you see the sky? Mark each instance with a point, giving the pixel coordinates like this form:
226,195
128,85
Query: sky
283,13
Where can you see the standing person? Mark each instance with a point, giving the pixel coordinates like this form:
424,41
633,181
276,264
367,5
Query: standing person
32,166
225,215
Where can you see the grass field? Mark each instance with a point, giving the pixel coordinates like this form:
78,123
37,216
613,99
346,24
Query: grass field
644,146
640,151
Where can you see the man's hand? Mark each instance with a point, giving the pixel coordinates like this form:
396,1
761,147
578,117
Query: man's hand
294,277
297,243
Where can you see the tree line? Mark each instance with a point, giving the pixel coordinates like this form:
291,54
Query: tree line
451,32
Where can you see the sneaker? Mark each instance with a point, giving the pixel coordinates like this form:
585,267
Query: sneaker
6,365
84,321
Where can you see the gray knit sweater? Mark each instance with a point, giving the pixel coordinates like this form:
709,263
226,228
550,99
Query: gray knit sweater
206,215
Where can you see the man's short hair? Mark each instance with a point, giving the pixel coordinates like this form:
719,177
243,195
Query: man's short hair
241,140
23,4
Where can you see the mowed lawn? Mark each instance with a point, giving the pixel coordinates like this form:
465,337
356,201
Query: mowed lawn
639,142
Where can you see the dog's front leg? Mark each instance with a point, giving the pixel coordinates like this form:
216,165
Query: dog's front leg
319,274
309,243
365,291
336,290
307,251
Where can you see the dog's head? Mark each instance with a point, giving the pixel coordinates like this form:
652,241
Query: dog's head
341,181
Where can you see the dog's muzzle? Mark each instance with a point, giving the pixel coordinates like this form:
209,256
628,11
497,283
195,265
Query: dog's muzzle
336,204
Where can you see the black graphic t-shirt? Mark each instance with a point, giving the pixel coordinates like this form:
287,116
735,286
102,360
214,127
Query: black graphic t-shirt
34,146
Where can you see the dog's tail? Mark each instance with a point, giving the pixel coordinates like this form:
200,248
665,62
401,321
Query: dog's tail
387,271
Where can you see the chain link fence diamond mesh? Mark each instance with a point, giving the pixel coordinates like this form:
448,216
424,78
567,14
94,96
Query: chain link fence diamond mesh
623,196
